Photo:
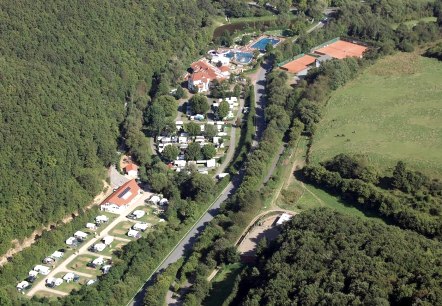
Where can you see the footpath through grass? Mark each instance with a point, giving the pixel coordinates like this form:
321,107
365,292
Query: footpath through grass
391,112
223,284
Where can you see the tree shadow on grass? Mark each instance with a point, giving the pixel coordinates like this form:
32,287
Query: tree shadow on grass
345,200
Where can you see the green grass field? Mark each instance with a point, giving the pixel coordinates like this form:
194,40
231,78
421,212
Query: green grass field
222,284
80,264
391,112
412,23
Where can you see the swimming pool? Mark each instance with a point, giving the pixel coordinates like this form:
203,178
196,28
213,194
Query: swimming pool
243,57
240,57
263,42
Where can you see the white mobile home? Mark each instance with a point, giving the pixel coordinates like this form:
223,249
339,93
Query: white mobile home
142,226
91,226
101,219
23,285
57,255
98,261
99,247
71,241
80,235
108,240
133,233
42,269
138,214
69,277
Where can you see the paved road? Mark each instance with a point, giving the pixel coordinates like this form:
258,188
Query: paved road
187,241
63,266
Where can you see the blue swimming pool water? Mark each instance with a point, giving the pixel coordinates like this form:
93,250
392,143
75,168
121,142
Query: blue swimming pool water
229,54
243,57
262,43
240,57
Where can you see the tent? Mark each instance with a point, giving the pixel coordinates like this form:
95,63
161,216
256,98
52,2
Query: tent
154,199
91,282
48,260
106,268
33,273
164,201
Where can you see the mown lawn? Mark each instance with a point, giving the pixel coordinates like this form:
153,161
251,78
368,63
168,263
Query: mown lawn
68,287
391,112
80,264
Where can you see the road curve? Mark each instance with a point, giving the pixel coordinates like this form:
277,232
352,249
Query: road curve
189,239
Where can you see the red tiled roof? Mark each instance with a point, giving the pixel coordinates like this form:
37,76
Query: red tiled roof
299,64
124,194
131,167
204,71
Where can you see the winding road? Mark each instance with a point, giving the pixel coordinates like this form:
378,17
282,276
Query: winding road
185,244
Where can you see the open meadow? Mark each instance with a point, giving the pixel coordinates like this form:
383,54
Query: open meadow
391,112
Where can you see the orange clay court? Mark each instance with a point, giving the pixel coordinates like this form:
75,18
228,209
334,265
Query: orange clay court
299,64
342,49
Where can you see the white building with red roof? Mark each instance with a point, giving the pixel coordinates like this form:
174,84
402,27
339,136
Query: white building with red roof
203,73
121,198
131,170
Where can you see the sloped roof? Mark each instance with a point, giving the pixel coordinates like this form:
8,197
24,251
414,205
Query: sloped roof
124,194
299,64
203,71
131,167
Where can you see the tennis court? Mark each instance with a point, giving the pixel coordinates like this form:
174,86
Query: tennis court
342,49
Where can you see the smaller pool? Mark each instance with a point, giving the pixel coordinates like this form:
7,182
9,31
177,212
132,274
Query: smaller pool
239,57
229,54
243,57
263,42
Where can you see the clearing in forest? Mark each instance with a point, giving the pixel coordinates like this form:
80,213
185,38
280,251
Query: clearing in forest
391,112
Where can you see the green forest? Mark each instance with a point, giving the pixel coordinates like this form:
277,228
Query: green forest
67,70
325,258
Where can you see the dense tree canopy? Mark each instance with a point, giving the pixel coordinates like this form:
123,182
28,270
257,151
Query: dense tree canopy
326,258
199,104
67,71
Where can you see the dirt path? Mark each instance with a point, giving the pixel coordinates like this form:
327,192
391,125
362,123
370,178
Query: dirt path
27,242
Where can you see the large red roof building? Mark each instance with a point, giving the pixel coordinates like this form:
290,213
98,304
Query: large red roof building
121,197
203,73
